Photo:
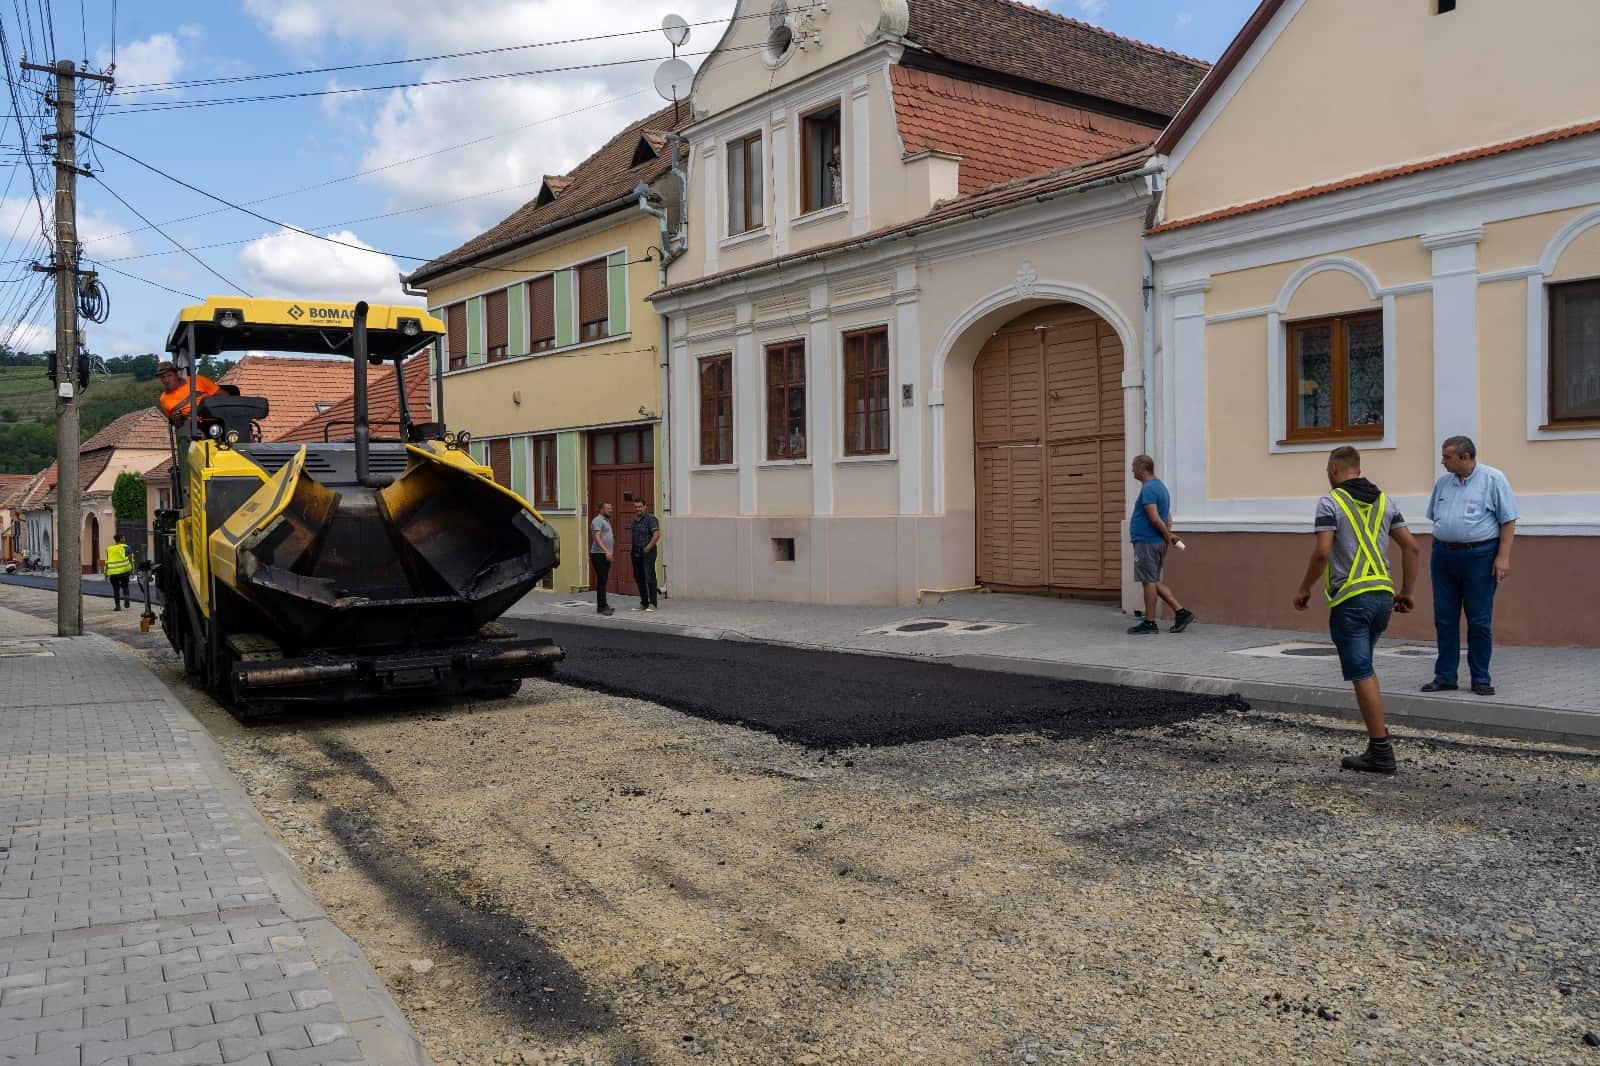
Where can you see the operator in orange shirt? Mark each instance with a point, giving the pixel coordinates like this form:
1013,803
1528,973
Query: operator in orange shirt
175,391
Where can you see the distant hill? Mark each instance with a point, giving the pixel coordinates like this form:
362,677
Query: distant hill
28,420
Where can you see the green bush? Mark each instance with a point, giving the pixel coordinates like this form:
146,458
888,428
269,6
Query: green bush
128,497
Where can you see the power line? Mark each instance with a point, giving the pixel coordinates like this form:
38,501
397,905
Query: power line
466,79
295,229
167,86
164,233
11,86
147,281
386,166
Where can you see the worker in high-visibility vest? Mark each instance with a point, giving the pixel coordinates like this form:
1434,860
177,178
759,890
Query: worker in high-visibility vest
175,390
119,567
1354,524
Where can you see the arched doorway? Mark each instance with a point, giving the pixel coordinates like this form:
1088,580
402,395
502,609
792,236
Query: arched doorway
1049,442
91,544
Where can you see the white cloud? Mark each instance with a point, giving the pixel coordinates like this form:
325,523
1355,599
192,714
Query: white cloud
31,337
1183,20
409,122
1092,9
157,58
287,263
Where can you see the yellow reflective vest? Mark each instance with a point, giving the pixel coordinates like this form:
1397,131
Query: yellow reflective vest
118,561
1369,570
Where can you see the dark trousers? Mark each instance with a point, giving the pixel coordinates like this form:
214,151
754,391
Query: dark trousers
644,575
602,575
1463,578
119,590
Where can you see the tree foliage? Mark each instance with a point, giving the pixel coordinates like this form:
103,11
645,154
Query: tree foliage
128,497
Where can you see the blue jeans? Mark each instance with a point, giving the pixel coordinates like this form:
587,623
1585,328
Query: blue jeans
1464,578
1355,626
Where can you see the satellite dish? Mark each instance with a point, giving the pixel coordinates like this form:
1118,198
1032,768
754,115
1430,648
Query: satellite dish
676,29
674,80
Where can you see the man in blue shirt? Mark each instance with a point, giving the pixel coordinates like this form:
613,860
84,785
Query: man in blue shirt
1474,519
1151,533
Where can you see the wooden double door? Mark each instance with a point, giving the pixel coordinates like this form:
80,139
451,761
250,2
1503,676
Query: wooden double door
622,469
1048,429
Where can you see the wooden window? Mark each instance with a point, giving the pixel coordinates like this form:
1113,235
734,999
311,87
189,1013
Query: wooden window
866,392
455,317
546,490
786,400
1335,378
594,304
542,313
496,323
822,160
1575,352
745,191
716,409
500,461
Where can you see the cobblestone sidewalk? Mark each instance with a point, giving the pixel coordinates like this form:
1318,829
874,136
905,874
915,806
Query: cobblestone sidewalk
147,915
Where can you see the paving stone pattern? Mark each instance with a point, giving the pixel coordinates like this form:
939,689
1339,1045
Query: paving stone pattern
136,926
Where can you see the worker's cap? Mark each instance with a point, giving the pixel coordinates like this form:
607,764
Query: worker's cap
162,368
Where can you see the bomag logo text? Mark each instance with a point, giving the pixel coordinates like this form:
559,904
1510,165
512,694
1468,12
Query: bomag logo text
331,314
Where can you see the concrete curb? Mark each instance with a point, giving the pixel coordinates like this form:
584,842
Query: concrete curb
373,1017
1457,714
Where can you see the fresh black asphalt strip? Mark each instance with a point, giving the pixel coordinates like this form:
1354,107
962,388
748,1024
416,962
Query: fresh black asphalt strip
832,700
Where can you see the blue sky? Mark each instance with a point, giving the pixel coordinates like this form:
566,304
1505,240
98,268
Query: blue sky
532,125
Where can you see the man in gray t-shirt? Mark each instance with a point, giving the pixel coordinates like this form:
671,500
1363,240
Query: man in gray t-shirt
602,542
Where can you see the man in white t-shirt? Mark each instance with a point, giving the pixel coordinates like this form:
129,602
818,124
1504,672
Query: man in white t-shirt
602,543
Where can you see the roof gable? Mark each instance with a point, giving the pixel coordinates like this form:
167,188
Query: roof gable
141,430
606,177
383,406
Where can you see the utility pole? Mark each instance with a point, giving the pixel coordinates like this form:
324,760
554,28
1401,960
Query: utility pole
69,533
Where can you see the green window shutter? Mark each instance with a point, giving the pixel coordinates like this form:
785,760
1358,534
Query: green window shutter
519,468
566,313
516,309
567,471
480,453
617,292
475,331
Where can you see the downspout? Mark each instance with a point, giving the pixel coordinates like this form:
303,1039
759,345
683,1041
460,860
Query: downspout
1147,337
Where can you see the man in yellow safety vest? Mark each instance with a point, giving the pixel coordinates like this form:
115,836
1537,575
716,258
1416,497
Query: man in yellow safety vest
1354,524
119,565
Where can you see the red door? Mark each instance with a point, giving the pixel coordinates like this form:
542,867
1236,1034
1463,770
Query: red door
621,470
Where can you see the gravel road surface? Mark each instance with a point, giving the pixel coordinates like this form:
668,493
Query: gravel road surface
578,876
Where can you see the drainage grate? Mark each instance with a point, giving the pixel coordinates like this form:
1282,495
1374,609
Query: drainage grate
23,649
572,603
954,627
1306,649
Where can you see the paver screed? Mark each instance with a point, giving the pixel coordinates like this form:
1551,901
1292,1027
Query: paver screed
147,915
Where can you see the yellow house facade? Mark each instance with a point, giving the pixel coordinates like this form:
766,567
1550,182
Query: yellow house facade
1381,226
552,355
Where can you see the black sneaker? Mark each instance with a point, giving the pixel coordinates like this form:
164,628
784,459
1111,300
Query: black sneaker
1377,759
1181,620
1482,690
1438,686
1144,628
606,611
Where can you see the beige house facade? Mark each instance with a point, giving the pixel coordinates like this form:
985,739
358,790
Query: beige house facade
1386,256
907,332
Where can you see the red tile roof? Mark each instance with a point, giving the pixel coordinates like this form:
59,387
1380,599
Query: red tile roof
91,464
292,387
383,406
981,203
35,495
1001,135
1374,176
1049,49
10,484
144,429
604,178
159,473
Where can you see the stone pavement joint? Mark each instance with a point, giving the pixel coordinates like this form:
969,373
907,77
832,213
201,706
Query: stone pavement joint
147,914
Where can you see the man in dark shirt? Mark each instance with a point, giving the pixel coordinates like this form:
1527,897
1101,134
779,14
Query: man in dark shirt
646,535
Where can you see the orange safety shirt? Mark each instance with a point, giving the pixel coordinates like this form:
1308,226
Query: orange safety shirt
175,402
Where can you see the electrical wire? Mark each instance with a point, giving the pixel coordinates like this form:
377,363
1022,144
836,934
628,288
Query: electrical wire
386,166
168,86
296,229
466,79
11,85
147,281
206,266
